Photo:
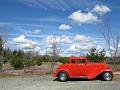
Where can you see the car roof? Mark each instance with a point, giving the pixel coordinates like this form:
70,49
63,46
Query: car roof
80,57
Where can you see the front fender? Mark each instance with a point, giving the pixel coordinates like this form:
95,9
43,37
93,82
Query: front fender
58,71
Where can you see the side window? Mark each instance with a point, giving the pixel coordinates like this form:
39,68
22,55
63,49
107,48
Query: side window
81,61
73,61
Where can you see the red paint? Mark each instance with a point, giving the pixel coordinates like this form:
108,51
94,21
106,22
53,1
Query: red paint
85,69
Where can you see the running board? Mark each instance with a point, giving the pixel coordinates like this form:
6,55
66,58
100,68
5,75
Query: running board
84,77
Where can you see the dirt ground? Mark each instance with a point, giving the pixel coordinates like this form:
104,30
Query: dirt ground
47,82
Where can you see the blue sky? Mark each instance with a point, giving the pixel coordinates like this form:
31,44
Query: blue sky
76,24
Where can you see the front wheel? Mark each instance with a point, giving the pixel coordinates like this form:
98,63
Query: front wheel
63,76
107,76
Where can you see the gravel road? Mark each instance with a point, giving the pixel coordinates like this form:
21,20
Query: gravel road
48,83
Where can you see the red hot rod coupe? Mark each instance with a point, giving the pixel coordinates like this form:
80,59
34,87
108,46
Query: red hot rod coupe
80,67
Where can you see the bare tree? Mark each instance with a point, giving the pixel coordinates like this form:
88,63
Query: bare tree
112,40
2,45
55,50
29,54
1,53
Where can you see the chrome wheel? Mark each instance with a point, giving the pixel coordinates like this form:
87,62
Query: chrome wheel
63,76
107,76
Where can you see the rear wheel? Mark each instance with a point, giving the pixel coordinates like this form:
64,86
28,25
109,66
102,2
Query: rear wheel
107,76
63,76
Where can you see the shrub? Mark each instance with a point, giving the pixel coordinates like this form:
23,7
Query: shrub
29,63
39,61
16,60
45,58
17,64
63,59
5,60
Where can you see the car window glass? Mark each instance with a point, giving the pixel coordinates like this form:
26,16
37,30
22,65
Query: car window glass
73,61
81,61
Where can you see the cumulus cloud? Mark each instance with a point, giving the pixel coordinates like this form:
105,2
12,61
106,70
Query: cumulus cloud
19,39
81,38
70,45
66,39
23,42
74,45
81,45
90,16
83,18
81,49
52,39
101,9
58,39
65,27
26,46
76,48
38,50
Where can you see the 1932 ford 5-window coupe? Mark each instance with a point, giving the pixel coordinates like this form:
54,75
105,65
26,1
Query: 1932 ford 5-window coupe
80,67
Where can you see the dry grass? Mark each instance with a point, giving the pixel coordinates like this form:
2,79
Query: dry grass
33,70
115,68
2,75
7,66
116,77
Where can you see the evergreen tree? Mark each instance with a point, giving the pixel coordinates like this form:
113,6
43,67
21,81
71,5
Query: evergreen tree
96,56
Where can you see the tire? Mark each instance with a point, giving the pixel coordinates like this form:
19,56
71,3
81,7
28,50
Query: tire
63,76
107,76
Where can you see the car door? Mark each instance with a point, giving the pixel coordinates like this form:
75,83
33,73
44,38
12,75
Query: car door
81,67
73,68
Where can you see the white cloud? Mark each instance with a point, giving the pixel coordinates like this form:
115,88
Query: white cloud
65,27
52,39
74,44
65,39
81,38
26,46
38,50
20,39
36,31
24,43
58,39
79,46
101,9
52,4
89,16
82,46
83,18
70,45
79,49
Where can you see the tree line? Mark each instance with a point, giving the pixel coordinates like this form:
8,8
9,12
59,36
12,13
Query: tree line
20,59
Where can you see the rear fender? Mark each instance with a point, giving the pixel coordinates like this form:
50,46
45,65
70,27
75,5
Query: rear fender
98,74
